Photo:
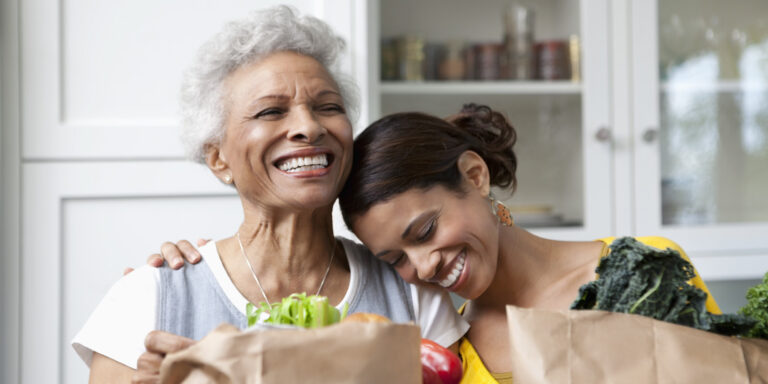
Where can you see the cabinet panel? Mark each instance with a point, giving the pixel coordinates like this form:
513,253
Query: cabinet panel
84,223
106,234
101,79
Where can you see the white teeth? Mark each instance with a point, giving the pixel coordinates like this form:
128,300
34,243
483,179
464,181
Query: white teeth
299,164
455,273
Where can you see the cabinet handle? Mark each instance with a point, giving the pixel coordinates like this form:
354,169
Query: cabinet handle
650,135
603,134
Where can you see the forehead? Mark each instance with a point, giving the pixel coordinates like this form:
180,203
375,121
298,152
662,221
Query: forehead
281,72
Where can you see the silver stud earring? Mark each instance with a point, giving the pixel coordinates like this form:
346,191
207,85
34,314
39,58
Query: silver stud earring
228,179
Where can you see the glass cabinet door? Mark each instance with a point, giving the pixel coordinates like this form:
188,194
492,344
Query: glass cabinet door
701,93
542,64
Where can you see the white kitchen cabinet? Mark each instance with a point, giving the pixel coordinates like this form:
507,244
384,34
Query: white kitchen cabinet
564,154
659,136
701,130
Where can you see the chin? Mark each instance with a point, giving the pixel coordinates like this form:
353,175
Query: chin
315,202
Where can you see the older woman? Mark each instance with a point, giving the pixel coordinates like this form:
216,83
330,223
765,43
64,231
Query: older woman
265,110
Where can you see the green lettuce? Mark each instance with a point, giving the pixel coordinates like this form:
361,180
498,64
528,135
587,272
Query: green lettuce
297,309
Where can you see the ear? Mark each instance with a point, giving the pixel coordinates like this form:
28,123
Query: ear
216,161
475,172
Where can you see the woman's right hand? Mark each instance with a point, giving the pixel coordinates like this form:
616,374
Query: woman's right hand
157,344
175,254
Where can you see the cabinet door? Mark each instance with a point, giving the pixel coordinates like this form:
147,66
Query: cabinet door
434,56
701,130
101,79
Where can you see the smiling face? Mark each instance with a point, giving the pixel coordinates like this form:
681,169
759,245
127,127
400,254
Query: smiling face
436,236
288,141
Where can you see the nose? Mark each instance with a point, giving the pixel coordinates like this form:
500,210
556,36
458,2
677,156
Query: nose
305,127
427,265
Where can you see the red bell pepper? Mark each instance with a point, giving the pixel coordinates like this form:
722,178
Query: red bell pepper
438,364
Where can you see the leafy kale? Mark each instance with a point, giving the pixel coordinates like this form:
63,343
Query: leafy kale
642,280
757,308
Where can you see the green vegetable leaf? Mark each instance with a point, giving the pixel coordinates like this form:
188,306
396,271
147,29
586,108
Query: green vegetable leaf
297,309
639,279
757,308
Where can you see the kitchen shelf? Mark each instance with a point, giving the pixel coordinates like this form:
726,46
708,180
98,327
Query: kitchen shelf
719,86
480,87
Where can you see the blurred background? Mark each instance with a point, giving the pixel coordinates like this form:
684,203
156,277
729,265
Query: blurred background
634,117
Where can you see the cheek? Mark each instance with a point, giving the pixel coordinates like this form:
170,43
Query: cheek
345,136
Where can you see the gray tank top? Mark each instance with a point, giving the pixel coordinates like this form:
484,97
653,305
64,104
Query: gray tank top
191,302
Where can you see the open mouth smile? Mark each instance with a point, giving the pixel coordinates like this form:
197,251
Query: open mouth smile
304,162
453,276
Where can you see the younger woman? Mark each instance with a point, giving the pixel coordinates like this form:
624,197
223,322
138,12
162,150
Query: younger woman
419,197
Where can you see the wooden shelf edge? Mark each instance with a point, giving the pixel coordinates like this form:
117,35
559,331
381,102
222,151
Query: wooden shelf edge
506,87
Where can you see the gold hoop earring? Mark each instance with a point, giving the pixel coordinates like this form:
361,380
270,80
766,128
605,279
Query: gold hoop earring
501,211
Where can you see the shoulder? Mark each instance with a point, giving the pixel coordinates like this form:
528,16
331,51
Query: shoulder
361,258
436,315
117,326
354,249
140,282
652,241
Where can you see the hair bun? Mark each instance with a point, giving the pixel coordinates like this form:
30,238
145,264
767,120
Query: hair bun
496,139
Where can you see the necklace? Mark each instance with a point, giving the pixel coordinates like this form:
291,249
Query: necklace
258,283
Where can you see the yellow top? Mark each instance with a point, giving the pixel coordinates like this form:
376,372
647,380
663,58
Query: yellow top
474,369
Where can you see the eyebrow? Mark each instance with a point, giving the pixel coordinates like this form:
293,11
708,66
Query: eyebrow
270,97
328,92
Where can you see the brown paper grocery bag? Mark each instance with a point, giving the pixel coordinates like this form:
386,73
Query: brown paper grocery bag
341,353
603,347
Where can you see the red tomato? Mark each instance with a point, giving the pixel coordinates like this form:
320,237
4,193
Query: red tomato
438,364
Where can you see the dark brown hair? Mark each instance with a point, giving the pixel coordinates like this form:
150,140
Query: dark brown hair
415,150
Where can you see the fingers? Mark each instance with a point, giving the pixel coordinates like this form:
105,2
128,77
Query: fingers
164,342
172,255
189,251
155,260
158,344
148,368
201,242
145,378
127,271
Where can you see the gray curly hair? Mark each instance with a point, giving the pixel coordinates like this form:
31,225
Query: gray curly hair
243,42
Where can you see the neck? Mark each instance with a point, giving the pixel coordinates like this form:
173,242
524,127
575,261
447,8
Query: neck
528,266
289,252
288,242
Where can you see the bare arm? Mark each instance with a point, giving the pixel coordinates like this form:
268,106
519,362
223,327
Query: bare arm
106,370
